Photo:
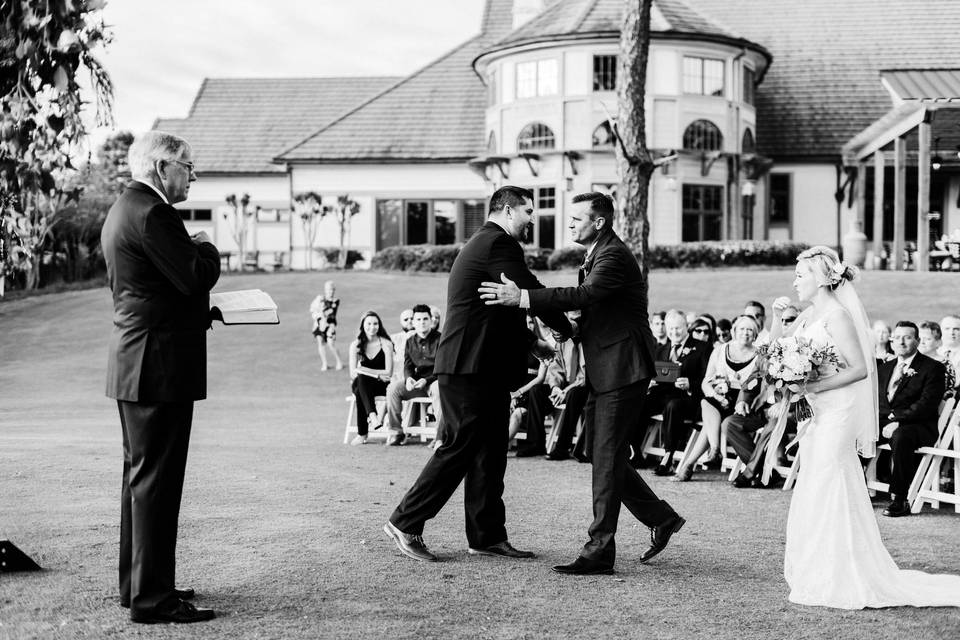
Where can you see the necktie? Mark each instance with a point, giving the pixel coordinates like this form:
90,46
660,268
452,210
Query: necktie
675,352
894,380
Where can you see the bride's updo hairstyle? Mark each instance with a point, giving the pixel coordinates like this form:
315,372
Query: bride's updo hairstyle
827,268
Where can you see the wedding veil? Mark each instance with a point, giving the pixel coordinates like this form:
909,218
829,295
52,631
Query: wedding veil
865,391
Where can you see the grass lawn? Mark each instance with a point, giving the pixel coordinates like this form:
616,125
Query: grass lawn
280,525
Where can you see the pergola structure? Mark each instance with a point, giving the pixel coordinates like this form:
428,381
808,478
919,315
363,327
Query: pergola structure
921,133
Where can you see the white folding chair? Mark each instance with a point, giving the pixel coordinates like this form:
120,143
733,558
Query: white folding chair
351,426
925,488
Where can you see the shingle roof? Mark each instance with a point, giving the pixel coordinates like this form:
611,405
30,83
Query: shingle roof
923,84
237,125
824,84
580,17
435,114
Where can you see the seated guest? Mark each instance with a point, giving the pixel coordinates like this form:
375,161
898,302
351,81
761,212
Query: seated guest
910,388
399,340
759,312
418,381
572,396
533,401
949,352
679,401
730,365
752,413
371,365
712,325
436,313
931,339
658,328
881,334
724,328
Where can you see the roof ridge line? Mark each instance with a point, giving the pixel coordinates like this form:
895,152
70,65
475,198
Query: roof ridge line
363,104
268,78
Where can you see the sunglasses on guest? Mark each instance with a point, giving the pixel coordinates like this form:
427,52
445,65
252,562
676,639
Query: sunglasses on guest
788,319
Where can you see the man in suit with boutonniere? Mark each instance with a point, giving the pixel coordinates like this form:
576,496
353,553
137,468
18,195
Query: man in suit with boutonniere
618,358
910,388
679,401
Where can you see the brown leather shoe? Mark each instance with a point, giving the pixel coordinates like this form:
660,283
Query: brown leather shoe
181,613
502,549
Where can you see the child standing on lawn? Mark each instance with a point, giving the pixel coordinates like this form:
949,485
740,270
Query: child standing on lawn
323,310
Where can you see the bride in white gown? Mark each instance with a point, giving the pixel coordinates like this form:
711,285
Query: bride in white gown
834,555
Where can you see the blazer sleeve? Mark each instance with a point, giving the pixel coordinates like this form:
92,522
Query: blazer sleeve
925,407
604,280
506,257
190,267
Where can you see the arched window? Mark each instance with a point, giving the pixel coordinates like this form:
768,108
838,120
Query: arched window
748,145
492,143
603,136
535,136
702,135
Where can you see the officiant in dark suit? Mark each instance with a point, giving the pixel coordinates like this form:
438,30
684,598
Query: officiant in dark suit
618,352
910,387
160,278
481,357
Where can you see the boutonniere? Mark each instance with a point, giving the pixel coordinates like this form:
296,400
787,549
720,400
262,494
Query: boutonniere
908,372
685,351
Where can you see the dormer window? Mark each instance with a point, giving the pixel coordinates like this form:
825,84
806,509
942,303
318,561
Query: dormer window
536,136
702,135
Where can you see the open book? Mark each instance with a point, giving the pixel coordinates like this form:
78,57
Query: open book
251,306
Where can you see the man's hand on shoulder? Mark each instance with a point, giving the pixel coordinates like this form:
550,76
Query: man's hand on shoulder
201,237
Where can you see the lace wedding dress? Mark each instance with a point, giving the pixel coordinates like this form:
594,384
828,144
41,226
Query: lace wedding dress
834,556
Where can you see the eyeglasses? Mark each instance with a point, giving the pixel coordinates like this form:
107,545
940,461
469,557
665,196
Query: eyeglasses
788,320
700,330
188,165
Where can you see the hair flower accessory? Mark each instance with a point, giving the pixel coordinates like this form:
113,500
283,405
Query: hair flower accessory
837,273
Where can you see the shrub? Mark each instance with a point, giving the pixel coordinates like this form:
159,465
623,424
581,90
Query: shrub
332,254
418,257
565,257
537,259
731,253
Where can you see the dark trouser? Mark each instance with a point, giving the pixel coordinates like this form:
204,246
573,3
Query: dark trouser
566,424
537,405
904,442
476,415
608,418
740,434
365,390
678,410
155,442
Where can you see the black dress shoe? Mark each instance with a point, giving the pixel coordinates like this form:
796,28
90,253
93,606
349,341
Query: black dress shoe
660,536
584,567
663,470
502,549
742,481
558,455
182,612
776,480
183,594
897,508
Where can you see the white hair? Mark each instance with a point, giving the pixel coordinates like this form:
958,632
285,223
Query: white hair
151,147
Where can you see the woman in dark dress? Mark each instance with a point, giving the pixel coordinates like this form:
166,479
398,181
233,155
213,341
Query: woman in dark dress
371,363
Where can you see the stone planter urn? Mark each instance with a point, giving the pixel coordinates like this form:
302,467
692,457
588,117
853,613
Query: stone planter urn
855,244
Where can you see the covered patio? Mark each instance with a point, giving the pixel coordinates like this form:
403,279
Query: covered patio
907,165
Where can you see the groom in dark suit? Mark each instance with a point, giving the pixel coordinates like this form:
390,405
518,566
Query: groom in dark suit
618,352
910,388
157,367
481,357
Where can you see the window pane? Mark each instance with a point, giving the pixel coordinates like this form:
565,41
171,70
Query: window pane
492,93
417,222
445,221
693,75
779,198
526,79
547,78
749,85
691,228
388,223
535,136
547,228
604,73
547,198
711,227
473,216
603,136
713,77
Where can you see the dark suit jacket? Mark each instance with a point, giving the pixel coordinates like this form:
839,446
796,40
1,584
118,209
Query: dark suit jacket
694,356
491,341
161,281
618,345
917,398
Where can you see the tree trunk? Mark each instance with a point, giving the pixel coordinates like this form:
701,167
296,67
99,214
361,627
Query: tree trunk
633,158
344,228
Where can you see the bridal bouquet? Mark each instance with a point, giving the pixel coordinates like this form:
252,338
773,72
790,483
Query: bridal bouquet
792,362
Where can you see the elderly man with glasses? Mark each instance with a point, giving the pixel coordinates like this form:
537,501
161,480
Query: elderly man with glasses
157,366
